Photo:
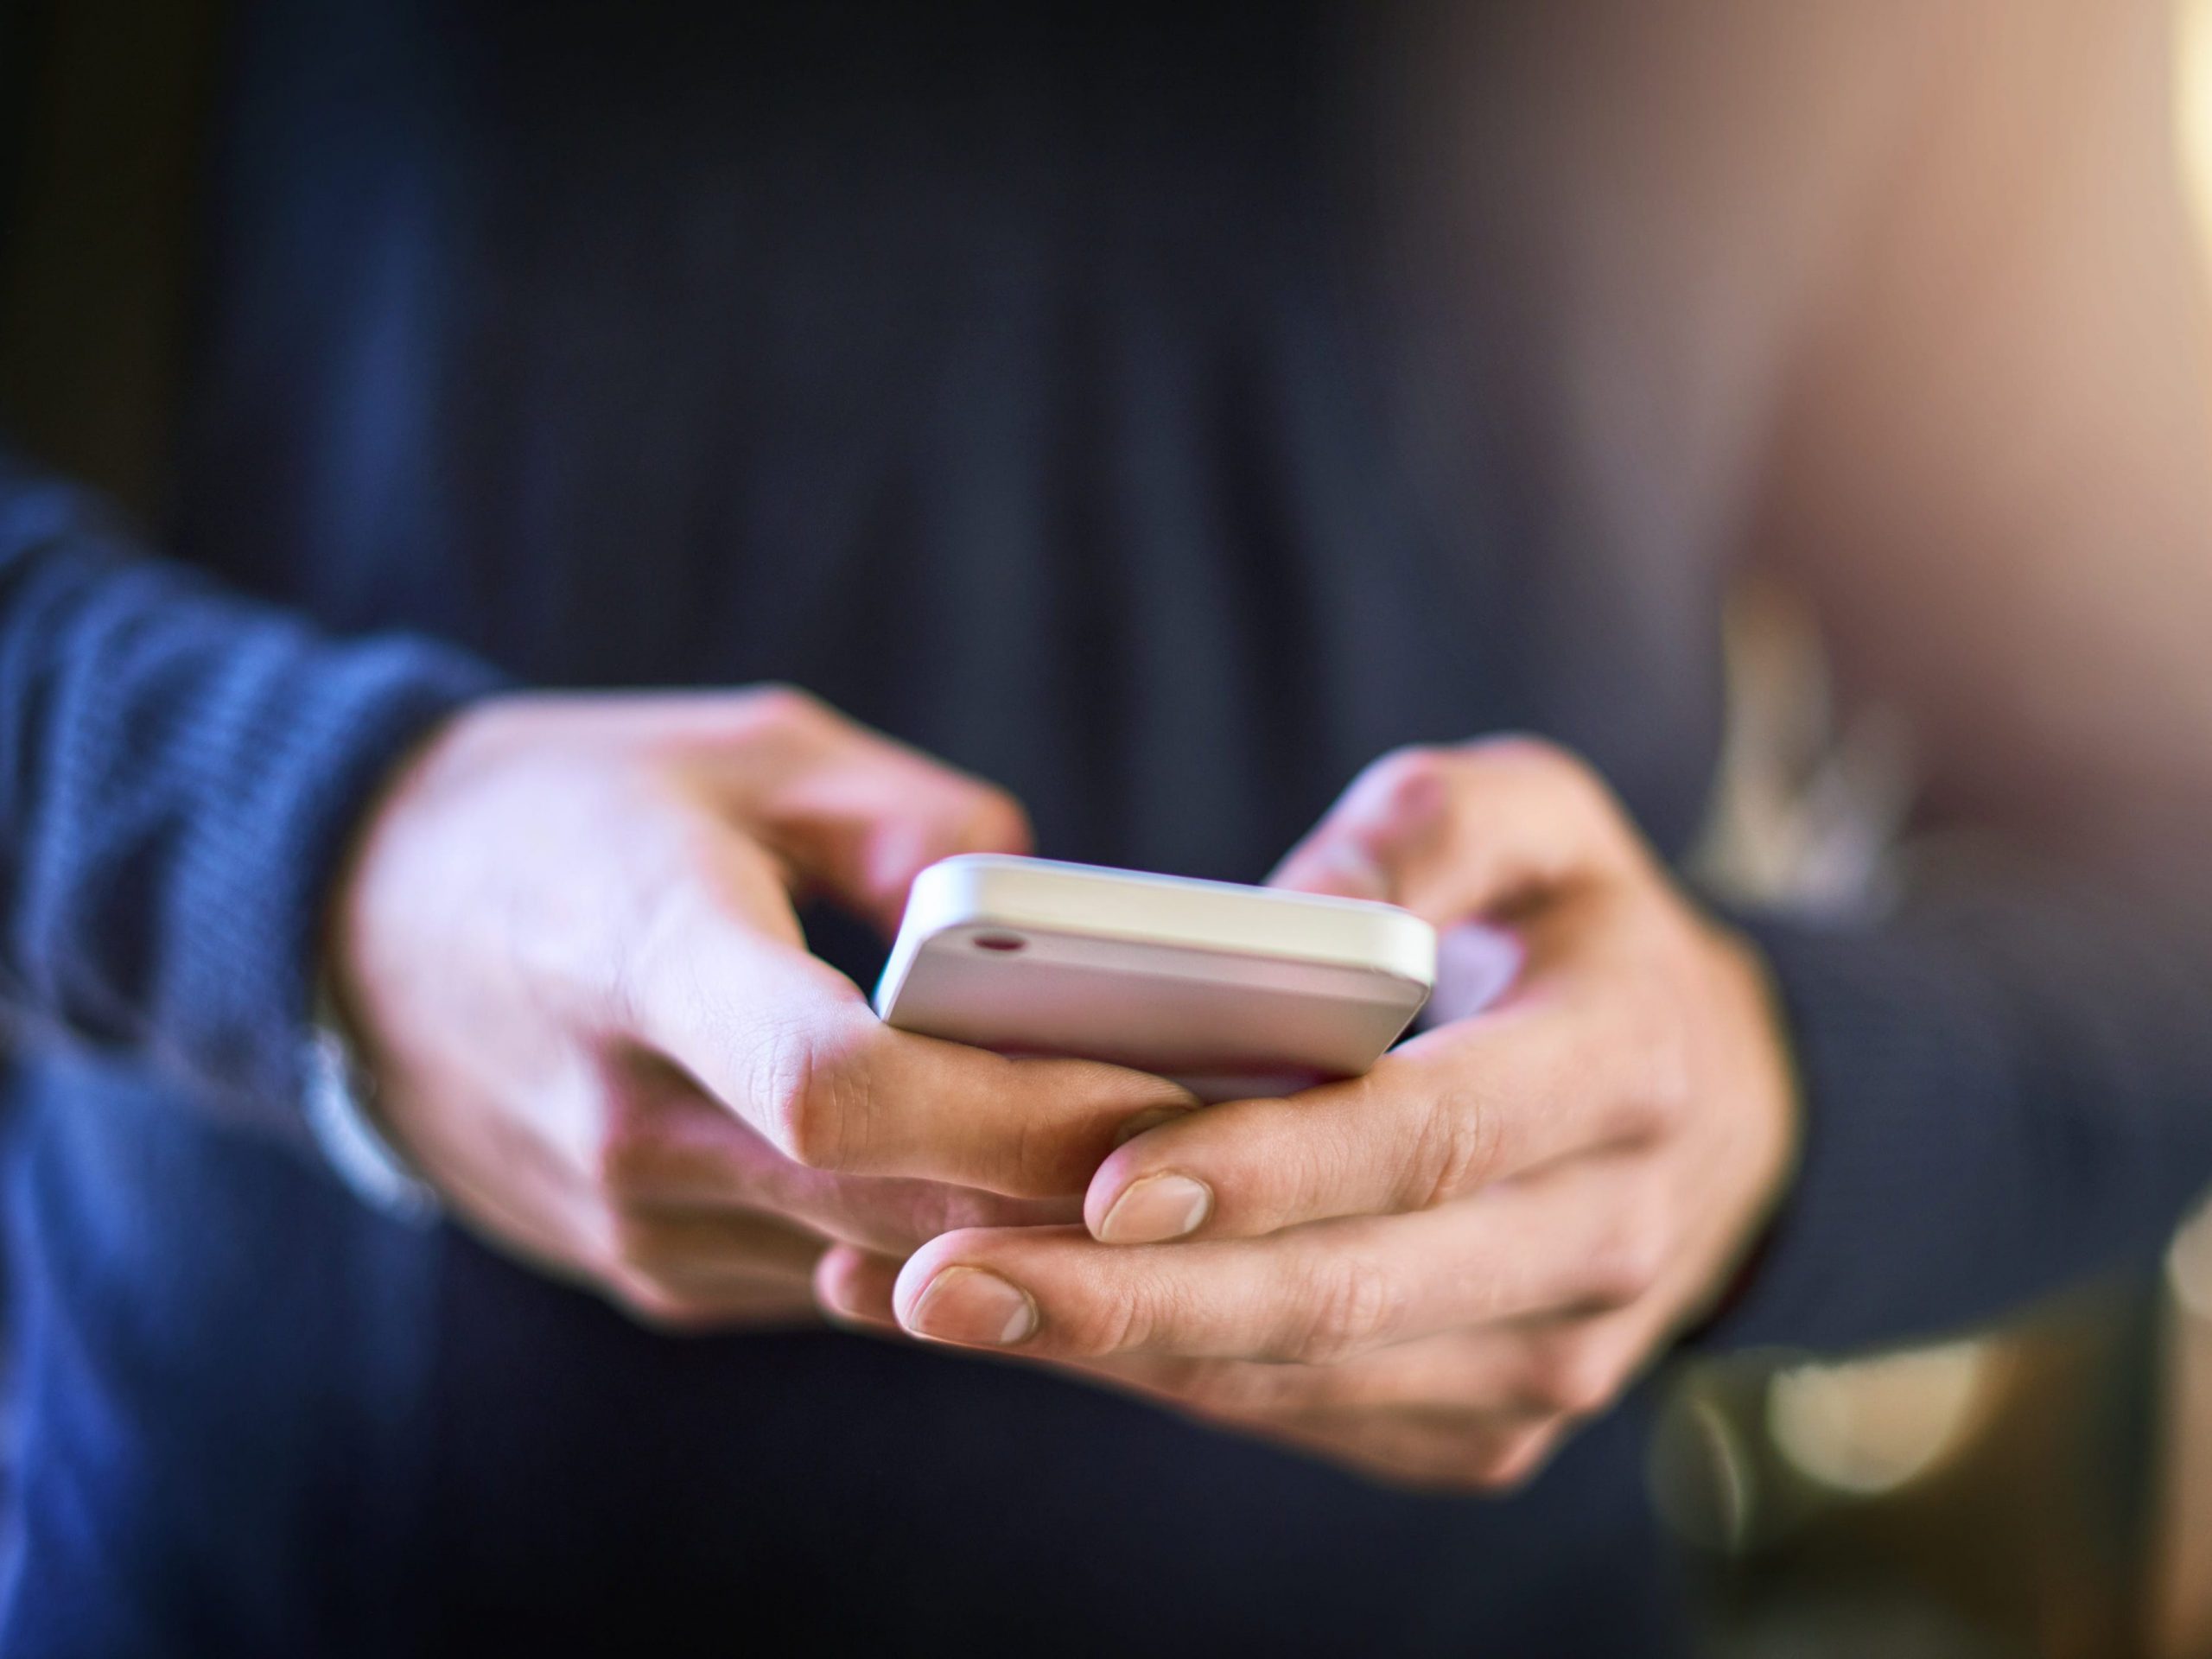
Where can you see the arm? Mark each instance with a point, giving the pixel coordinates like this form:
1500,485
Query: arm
181,771
1995,481
560,926
1992,473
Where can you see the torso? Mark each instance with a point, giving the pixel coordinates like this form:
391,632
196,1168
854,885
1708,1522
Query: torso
1095,404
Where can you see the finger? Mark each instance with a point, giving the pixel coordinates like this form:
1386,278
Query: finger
1461,1107
1515,1373
704,1249
682,1152
1482,1371
1319,1294
1488,1370
1454,1418
855,813
1443,1454
1460,833
791,1048
731,1305
855,1286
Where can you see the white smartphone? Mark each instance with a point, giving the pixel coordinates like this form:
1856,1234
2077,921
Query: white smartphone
1232,991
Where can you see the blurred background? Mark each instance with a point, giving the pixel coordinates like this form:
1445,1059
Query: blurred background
2044,1489
2041,1489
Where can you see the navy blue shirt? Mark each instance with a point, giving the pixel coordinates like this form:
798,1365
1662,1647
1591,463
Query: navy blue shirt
1161,413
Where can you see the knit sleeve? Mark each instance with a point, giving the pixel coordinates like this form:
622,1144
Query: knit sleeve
180,771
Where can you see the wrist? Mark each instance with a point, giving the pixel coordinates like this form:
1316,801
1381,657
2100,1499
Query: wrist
338,1074
339,1104
1773,1129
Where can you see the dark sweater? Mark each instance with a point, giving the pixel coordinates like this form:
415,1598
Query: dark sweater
1162,415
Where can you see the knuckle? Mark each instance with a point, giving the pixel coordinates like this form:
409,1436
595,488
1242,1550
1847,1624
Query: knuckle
1410,760
813,1100
1096,1326
624,1147
1627,1262
629,1246
1456,1147
779,704
1538,757
1395,778
1507,1466
1576,1377
1354,1304
1489,1474
996,822
1559,774
925,1210
1042,1160
656,1306
1300,1176
1232,1390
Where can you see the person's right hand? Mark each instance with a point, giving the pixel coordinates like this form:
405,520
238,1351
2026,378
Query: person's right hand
567,949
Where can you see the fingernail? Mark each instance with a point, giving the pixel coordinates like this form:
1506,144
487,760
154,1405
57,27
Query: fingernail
1150,1120
968,1305
1155,1209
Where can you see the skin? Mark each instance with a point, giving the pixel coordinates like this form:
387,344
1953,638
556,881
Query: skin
641,1081
1432,1272
568,949
568,940
1981,462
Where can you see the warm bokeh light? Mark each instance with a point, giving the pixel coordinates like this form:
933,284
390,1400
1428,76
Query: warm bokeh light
1874,1425
2196,60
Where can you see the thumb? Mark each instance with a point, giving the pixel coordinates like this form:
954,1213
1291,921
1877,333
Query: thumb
1458,833
857,816
898,845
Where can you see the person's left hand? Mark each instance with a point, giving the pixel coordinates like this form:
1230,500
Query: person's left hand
1431,1272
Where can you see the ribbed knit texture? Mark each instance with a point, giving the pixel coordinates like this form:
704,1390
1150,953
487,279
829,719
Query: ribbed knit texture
1036,384
180,771
1997,1100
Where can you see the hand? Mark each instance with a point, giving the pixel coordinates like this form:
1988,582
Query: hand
567,945
1430,1272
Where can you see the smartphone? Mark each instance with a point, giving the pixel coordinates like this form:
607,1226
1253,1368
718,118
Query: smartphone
1231,991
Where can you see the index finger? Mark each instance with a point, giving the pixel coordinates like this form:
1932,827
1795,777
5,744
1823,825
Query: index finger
1463,832
790,1046
1461,1107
